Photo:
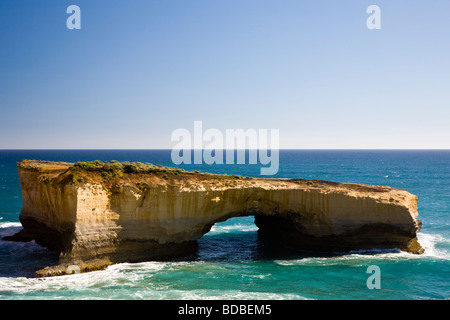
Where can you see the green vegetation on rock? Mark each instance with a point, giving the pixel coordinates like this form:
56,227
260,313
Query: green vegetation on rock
113,169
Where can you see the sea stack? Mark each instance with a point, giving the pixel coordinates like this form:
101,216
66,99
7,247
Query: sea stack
100,213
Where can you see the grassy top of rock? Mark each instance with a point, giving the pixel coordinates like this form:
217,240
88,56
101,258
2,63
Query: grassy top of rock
110,171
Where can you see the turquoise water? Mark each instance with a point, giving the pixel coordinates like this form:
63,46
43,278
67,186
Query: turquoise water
232,262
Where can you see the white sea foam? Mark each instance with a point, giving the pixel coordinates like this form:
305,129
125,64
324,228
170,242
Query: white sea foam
119,281
9,224
231,295
355,258
430,242
234,228
9,228
210,294
128,280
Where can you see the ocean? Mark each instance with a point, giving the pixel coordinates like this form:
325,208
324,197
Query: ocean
231,262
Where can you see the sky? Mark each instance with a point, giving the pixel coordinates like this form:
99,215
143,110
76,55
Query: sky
139,69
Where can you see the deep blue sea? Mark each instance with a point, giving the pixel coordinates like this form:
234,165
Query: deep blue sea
231,262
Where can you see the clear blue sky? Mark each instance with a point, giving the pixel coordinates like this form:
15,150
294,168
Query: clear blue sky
137,70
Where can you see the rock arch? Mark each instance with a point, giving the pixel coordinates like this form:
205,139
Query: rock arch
155,216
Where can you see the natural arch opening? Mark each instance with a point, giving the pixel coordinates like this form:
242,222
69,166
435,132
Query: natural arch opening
240,239
233,239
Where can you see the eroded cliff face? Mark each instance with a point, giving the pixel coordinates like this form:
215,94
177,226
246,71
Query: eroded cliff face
96,220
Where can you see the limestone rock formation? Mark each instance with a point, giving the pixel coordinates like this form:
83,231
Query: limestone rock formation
96,214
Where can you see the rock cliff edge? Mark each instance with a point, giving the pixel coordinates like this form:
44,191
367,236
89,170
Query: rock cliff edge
96,214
